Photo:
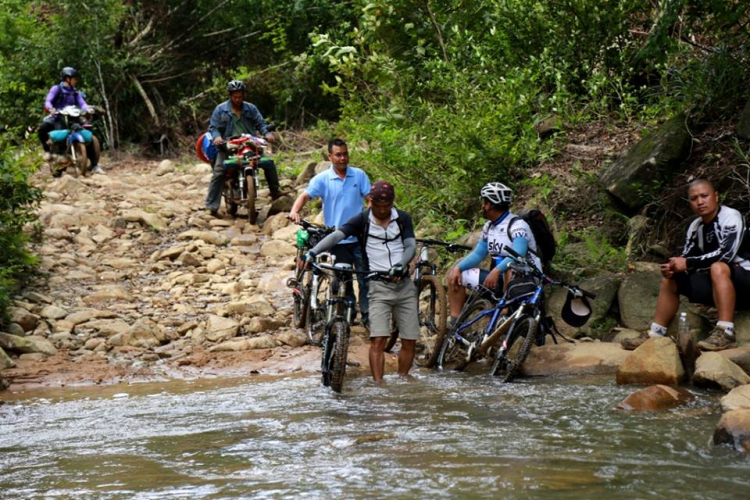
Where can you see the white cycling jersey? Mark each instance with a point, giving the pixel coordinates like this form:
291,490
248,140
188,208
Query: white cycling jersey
497,238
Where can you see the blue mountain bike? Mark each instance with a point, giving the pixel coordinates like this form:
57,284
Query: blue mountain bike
517,319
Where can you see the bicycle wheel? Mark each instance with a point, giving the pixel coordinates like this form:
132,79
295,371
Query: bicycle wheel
337,365
301,295
453,353
316,316
432,321
520,338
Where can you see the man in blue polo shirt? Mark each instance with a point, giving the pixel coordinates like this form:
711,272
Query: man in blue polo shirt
343,189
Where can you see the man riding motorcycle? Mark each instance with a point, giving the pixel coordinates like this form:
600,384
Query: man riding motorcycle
65,94
233,118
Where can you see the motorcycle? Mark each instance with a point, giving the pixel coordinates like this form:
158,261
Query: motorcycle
241,174
68,145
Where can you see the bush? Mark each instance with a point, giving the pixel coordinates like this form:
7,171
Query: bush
18,204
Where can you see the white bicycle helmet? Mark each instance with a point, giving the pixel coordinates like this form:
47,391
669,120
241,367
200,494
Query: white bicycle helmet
497,193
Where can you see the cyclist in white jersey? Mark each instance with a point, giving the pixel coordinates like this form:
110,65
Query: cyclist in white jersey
496,236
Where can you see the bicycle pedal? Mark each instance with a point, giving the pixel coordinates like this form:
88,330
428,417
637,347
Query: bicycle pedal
353,363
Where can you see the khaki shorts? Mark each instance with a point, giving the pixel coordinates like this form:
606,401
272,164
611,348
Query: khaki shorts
399,300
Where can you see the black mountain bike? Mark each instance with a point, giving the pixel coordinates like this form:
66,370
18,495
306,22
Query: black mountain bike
340,312
306,283
432,304
482,324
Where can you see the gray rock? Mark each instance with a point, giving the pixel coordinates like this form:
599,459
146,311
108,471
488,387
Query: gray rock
53,312
245,240
274,223
714,370
38,298
208,236
737,399
83,316
107,293
656,361
739,356
165,167
16,329
26,344
5,361
635,176
245,344
742,327
153,221
307,173
219,329
189,259
277,248
734,429
24,318
262,324
172,253
292,339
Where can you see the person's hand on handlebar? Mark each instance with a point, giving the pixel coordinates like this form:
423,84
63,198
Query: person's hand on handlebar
219,141
396,272
294,217
270,137
309,257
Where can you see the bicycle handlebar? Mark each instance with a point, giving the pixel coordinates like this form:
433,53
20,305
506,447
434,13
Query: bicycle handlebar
451,247
306,224
368,275
529,268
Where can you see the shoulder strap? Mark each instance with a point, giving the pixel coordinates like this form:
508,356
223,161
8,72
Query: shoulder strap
510,224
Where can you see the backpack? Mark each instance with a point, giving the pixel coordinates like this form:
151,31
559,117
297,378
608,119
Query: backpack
545,240
366,234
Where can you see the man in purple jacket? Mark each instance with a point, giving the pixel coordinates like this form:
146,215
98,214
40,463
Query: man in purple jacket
65,94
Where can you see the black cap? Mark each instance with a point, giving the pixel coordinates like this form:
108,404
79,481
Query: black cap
576,311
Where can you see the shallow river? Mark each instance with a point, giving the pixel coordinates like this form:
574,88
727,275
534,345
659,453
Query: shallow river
434,436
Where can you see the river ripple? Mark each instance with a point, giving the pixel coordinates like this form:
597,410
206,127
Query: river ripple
433,436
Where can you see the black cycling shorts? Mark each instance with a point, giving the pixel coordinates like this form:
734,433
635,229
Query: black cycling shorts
697,286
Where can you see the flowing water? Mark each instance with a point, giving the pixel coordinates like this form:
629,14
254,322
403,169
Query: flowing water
433,436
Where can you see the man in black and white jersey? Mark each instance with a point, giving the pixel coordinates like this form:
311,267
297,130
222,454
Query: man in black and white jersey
713,269
387,239
502,230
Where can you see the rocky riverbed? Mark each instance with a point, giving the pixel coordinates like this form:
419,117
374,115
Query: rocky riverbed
138,283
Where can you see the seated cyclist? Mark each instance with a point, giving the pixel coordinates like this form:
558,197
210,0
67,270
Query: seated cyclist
502,229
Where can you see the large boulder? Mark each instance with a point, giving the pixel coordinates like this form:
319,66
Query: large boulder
655,397
567,359
743,126
734,429
656,361
154,221
737,399
714,370
635,176
605,287
292,339
26,344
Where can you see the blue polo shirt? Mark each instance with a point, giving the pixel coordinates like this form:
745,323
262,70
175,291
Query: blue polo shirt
342,198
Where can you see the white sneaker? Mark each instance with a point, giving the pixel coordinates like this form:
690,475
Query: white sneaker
46,156
98,170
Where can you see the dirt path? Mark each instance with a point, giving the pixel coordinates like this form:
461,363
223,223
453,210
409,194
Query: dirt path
140,284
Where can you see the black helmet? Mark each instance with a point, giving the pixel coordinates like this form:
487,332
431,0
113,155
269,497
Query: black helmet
69,72
236,85
577,310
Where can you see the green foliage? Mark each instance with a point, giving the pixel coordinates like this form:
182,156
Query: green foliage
593,251
18,204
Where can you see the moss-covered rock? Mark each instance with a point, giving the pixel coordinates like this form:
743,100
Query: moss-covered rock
636,176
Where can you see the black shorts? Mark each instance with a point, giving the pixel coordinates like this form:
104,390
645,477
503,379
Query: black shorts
697,286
